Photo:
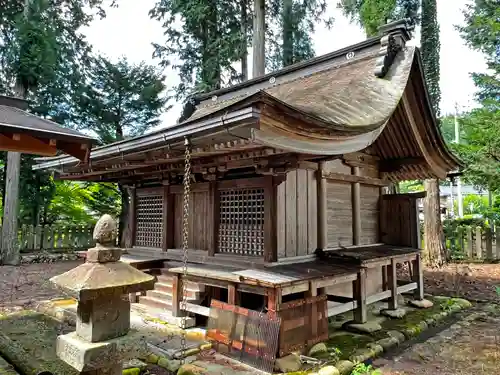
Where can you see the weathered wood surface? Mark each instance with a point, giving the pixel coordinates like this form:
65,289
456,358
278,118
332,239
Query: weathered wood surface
297,219
370,196
398,220
364,256
273,277
339,214
49,238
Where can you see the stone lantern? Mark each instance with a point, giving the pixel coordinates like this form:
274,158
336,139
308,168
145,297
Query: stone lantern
101,285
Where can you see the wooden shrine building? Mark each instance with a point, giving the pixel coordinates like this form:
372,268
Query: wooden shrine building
286,178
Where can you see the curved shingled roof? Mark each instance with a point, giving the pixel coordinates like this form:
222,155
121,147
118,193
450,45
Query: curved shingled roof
370,96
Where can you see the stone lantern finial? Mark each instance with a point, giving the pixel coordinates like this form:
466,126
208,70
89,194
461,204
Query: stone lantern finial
101,285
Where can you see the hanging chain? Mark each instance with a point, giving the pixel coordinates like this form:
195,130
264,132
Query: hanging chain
185,238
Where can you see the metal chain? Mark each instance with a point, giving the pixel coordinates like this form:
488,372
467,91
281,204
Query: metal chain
185,238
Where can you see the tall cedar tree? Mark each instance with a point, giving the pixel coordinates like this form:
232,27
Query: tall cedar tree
435,252
40,46
371,14
121,100
480,127
203,46
216,34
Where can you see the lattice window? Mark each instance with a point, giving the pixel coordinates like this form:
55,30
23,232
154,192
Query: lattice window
241,225
149,221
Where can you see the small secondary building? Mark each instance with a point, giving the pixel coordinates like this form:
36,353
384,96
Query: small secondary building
286,210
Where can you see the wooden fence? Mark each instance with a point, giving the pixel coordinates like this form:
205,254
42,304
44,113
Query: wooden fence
479,243
54,238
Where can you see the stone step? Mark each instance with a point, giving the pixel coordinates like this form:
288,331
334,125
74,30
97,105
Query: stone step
168,297
156,303
167,288
167,280
148,311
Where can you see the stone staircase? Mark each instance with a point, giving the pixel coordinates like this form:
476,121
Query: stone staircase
158,302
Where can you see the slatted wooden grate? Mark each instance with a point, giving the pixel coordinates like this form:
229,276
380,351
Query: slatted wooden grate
149,221
241,226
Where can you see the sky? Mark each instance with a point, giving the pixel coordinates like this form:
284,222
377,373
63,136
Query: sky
128,31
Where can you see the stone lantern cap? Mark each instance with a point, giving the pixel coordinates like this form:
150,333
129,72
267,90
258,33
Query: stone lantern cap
103,275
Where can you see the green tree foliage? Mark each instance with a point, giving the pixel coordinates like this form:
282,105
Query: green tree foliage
121,99
43,51
482,33
371,14
202,47
291,24
481,126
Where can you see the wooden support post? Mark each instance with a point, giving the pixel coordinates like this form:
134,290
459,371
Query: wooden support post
384,278
177,296
321,210
356,209
418,277
130,241
168,219
359,294
232,295
215,199
270,221
393,285
478,243
313,292
273,301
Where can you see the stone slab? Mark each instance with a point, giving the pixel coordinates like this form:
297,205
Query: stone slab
422,304
87,356
395,314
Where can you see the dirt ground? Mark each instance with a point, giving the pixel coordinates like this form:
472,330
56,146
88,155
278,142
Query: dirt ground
29,283
470,346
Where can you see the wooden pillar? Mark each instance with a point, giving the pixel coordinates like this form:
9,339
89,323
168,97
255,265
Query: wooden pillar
359,294
168,218
215,202
393,285
356,209
176,296
321,209
418,277
130,241
313,292
270,218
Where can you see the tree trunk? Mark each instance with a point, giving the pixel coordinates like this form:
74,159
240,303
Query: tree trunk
244,45
259,38
287,33
10,249
434,253
123,226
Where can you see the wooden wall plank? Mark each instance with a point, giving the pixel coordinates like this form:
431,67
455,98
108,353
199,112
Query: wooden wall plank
302,216
291,214
370,196
339,214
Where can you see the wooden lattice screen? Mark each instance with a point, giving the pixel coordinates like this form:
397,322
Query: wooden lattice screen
149,220
241,225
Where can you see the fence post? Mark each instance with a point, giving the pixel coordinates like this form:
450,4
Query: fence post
468,230
37,241
489,244
497,242
478,243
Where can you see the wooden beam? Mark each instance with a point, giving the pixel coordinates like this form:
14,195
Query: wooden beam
393,165
26,144
321,208
359,294
335,176
356,208
81,151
